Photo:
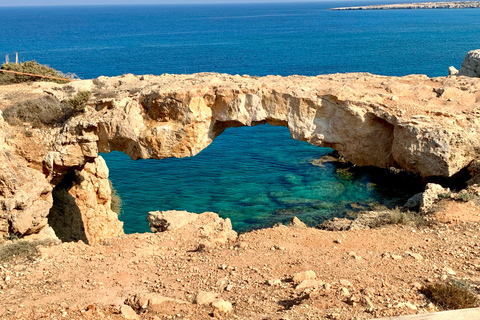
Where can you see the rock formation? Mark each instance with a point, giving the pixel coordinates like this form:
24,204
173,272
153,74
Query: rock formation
418,5
471,65
426,126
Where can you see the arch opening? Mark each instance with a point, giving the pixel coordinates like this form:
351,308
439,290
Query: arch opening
256,176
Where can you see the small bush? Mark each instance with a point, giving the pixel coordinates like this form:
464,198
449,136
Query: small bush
79,101
450,295
41,111
446,195
29,67
22,250
465,196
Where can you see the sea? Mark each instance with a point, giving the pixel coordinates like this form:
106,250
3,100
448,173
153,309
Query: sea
256,176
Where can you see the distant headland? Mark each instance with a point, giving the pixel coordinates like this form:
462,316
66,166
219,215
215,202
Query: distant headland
418,5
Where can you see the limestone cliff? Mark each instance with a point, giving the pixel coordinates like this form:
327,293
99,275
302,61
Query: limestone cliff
427,126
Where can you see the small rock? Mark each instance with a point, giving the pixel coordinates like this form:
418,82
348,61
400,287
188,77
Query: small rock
297,223
128,313
346,283
344,292
275,282
161,221
452,71
305,275
205,298
416,256
229,288
327,286
222,306
310,283
450,271
396,257
367,303
339,241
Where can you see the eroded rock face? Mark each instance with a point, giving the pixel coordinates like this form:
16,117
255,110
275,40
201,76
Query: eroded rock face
82,207
426,126
471,65
25,194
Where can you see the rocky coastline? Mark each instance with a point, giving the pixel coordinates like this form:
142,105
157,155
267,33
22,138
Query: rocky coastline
54,186
418,5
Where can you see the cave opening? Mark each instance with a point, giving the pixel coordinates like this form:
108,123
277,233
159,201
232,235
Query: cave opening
65,217
256,176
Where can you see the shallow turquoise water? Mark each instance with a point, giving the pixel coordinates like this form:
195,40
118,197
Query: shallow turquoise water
256,176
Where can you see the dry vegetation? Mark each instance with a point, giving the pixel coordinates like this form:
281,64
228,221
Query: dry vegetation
32,67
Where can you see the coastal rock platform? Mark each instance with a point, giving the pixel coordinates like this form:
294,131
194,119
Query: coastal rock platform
54,181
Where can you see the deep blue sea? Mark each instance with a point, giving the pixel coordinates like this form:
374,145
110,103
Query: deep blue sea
256,176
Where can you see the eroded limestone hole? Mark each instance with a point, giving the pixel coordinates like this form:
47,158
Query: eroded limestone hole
256,176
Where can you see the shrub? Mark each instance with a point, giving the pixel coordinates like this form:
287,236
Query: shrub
450,295
464,196
29,67
446,195
79,101
21,250
45,110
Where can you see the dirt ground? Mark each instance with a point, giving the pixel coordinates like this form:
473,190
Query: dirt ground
360,274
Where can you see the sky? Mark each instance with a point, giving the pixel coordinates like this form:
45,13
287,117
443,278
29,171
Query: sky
4,3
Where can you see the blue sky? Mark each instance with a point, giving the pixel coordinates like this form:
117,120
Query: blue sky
112,2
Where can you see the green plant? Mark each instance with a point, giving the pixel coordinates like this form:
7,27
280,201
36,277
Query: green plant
78,102
446,195
450,295
22,249
465,196
41,111
32,67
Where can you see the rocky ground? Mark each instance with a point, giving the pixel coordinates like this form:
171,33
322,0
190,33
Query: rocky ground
279,273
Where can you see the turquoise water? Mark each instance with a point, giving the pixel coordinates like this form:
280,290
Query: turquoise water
256,176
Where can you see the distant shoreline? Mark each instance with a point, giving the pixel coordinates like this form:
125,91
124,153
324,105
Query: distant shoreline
418,5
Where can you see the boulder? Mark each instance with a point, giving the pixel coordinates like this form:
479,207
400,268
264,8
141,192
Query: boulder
161,221
471,64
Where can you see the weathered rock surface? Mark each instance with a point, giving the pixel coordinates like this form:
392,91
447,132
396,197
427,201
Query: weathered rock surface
426,126
160,221
471,65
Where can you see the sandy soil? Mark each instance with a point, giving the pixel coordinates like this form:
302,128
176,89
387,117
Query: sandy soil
360,274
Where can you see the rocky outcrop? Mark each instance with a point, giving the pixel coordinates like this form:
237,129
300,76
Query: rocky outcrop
471,65
419,5
82,206
426,126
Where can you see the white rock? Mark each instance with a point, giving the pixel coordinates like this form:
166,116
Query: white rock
160,221
304,275
128,313
205,298
222,306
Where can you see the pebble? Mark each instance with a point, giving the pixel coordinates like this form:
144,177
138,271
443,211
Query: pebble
305,275
222,306
204,297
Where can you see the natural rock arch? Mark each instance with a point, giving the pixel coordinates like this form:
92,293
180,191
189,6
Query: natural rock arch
427,126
